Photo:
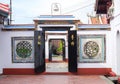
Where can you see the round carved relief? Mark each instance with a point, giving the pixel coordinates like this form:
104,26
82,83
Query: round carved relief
91,49
24,49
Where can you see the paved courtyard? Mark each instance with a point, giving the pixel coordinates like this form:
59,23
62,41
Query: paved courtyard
53,79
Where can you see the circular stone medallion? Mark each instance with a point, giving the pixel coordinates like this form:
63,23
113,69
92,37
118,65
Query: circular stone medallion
91,49
24,49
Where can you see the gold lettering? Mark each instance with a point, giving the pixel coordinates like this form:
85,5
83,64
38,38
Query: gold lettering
39,40
72,37
72,43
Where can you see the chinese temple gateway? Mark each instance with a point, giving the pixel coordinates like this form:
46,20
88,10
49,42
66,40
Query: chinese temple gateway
56,44
62,44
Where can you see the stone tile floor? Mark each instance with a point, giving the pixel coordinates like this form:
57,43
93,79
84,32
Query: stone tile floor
53,79
57,67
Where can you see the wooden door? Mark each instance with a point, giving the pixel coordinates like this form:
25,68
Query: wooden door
72,51
39,41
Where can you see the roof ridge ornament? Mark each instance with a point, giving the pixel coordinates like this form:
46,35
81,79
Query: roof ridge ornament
56,9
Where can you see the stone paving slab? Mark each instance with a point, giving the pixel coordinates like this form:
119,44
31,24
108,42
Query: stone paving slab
54,79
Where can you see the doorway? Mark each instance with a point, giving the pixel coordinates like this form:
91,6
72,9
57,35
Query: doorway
56,50
41,65
57,61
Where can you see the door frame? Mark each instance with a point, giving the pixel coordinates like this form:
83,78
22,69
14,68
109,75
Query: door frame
62,28
64,50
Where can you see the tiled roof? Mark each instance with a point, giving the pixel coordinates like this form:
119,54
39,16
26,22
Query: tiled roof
56,16
3,13
4,9
93,27
98,20
104,20
42,19
19,27
95,20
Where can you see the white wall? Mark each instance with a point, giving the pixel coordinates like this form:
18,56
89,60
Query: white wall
109,50
118,53
115,25
6,49
6,54
118,49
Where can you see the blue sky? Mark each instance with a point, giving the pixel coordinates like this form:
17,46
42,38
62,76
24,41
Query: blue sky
24,11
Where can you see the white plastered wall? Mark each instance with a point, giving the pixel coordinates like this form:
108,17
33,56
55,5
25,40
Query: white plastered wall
6,49
112,55
6,54
115,25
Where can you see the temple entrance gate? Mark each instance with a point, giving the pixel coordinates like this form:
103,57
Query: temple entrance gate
40,38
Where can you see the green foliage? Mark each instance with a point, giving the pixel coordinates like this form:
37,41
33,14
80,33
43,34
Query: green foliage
60,48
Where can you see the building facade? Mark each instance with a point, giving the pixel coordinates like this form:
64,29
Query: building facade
87,48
